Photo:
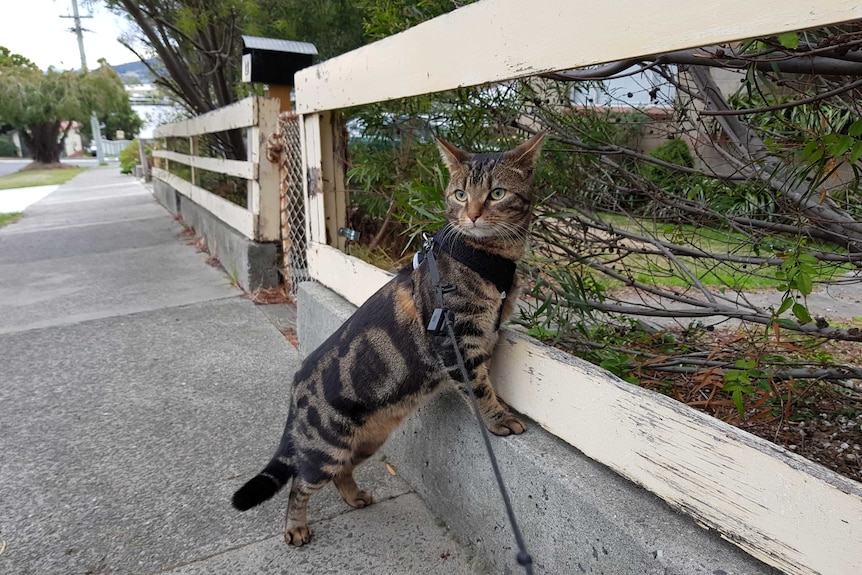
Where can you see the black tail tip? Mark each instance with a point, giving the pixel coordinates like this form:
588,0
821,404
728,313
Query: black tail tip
255,492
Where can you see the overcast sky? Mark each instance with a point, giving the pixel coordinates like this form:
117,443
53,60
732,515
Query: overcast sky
33,28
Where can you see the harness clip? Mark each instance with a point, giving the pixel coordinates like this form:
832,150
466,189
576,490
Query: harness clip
439,319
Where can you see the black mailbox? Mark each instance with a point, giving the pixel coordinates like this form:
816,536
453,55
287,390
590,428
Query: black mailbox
274,61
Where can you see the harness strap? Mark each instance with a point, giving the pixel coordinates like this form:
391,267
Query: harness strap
496,269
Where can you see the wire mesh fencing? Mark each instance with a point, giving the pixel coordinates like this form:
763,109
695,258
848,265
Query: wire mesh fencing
294,241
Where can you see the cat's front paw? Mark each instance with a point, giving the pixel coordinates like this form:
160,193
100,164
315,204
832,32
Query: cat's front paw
297,535
508,424
360,500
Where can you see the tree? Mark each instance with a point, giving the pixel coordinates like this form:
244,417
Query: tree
37,103
121,119
199,47
11,60
333,26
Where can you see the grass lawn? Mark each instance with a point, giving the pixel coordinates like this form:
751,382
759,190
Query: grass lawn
9,218
661,271
47,177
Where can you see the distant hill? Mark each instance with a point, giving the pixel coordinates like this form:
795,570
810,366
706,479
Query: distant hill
136,72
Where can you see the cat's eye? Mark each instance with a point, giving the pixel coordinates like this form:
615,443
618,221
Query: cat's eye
461,195
498,194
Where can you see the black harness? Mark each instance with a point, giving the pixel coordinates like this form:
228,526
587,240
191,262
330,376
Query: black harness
492,268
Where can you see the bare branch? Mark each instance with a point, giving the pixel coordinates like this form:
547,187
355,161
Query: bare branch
810,100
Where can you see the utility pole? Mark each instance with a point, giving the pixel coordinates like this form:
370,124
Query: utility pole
79,32
94,121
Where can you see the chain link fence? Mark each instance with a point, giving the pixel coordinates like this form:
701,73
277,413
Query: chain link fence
294,242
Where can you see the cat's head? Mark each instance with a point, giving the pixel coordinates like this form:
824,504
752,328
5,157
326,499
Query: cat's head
489,194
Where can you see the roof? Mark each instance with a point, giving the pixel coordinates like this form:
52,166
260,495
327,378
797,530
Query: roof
277,45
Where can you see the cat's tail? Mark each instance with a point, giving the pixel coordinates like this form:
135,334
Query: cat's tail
269,481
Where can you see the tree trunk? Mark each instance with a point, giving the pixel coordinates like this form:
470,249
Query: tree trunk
755,160
44,142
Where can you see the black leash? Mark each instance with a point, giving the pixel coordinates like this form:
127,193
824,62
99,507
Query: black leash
442,323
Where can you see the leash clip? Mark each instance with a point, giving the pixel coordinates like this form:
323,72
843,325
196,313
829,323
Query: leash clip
428,240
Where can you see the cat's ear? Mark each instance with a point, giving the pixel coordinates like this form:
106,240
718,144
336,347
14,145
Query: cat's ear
527,154
451,155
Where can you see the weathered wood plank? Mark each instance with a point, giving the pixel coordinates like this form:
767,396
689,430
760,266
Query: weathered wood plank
238,168
238,115
350,277
233,215
330,180
312,183
268,184
513,39
776,505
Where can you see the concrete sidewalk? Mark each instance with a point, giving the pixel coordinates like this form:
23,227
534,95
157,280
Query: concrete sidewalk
138,390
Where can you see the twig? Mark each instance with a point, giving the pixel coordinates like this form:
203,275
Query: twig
811,99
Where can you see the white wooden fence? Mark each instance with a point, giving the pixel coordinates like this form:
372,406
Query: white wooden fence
112,148
774,504
260,221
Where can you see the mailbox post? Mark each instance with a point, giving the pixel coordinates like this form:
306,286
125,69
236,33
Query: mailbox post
274,62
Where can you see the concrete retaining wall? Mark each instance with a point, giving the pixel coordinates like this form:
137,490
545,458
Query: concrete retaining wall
577,516
253,265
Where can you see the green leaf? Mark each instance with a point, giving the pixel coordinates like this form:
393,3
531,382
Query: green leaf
789,40
856,152
737,401
801,313
804,283
808,259
541,333
843,144
809,149
785,305
816,155
855,129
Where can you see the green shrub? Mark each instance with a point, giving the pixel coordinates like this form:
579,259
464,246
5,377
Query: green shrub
674,152
130,156
7,148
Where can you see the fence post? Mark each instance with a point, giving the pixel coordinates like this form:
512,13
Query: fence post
193,151
312,181
265,185
145,164
332,149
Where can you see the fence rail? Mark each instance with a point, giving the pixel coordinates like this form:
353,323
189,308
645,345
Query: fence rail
260,221
798,517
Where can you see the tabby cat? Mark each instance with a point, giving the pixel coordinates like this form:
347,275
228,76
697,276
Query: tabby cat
352,391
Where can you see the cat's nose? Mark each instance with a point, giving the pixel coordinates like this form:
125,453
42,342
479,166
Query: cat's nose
473,217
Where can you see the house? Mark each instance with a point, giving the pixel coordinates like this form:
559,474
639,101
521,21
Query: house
73,145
